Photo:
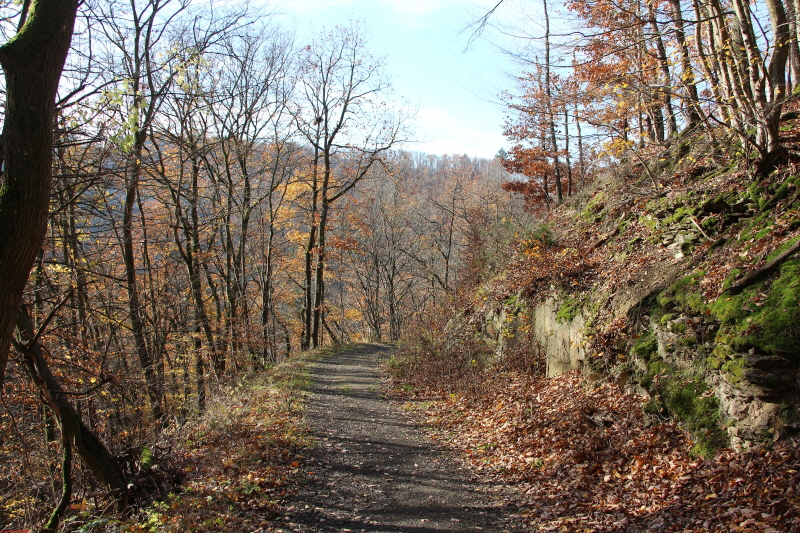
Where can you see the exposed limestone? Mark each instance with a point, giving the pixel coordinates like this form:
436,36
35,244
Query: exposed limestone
562,340
749,399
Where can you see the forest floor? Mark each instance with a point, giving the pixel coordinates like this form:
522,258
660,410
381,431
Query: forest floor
323,450
313,445
372,470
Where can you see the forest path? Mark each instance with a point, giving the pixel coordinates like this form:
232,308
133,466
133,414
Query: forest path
373,470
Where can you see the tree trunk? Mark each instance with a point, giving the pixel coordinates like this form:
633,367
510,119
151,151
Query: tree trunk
319,281
566,150
794,50
131,285
687,74
308,283
550,113
782,46
663,62
32,62
92,451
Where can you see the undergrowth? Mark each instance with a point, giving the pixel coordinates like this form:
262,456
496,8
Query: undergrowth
234,465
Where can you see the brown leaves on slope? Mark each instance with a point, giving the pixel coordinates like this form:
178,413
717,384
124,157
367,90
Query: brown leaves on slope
587,460
238,460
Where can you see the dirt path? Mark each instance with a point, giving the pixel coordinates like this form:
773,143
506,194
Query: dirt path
373,470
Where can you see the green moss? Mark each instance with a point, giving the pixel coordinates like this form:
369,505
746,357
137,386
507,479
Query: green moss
719,171
648,222
756,194
594,207
780,193
632,243
667,318
679,327
515,305
709,223
782,248
656,204
725,359
732,276
764,316
680,214
623,224
655,368
783,190
719,242
684,294
763,233
646,346
688,398
756,226
570,307
734,370
688,340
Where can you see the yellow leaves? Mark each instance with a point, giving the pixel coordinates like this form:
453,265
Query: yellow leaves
82,506
55,268
353,315
297,237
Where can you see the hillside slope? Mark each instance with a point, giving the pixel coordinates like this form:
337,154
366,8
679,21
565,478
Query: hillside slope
683,285
635,363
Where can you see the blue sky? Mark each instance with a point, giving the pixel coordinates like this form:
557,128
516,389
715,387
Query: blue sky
455,91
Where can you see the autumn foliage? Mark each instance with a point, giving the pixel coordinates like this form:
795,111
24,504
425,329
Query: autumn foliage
583,458
628,79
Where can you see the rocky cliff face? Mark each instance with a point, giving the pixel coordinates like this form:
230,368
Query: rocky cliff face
668,361
670,311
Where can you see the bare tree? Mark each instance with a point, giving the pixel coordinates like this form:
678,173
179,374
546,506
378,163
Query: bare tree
342,113
151,42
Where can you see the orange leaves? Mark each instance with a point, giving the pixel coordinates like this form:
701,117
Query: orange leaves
347,244
587,460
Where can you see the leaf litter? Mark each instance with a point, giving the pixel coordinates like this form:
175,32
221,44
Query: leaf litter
239,463
587,459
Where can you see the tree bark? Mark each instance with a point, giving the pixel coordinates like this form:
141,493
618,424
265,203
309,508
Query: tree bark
550,113
32,62
687,74
663,63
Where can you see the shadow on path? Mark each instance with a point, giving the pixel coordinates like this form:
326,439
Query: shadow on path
372,470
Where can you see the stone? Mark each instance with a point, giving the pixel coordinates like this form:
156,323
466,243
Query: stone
717,205
561,341
769,362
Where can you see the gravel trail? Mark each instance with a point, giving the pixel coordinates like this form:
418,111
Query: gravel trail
374,471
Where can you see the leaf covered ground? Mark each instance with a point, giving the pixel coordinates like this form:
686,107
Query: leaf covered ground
586,459
229,471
